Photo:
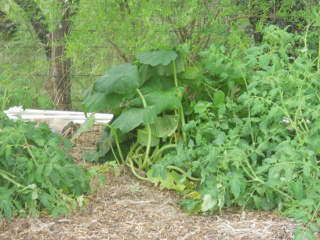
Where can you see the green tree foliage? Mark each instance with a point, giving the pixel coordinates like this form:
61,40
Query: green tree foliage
107,33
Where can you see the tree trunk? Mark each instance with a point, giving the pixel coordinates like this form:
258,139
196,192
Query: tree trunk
58,84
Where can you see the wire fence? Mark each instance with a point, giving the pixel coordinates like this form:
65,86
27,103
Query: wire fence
22,55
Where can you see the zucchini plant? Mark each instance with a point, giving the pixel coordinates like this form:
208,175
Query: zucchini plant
146,97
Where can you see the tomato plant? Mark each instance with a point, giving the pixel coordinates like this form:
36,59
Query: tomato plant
36,174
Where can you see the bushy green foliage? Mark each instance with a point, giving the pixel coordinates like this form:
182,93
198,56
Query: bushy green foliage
36,174
238,128
20,92
246,131
149,87
256,145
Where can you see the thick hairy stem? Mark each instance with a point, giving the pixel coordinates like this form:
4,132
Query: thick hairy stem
183,172
161,150
181,112
134,170
118,145
175,74
148,131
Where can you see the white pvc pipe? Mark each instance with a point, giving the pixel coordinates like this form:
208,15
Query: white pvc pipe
16,113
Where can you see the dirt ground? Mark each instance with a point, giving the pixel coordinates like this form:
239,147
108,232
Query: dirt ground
127,208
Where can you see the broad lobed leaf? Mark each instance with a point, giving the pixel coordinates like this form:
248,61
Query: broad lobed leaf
121,79
157,57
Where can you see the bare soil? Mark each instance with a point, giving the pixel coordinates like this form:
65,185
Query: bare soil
127,208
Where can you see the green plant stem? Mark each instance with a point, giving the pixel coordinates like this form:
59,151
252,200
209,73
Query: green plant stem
117,144
4,100
136,155
181,112
148,131
315,214
183,172
144,103
175,78
257,179
318,65
133,148
30,152
183,123
138,149
251,196
114,154
134,170
5,174
114,133
161,150
285,112
145,162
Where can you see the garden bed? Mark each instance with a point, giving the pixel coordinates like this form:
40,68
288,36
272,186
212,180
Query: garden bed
127,208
